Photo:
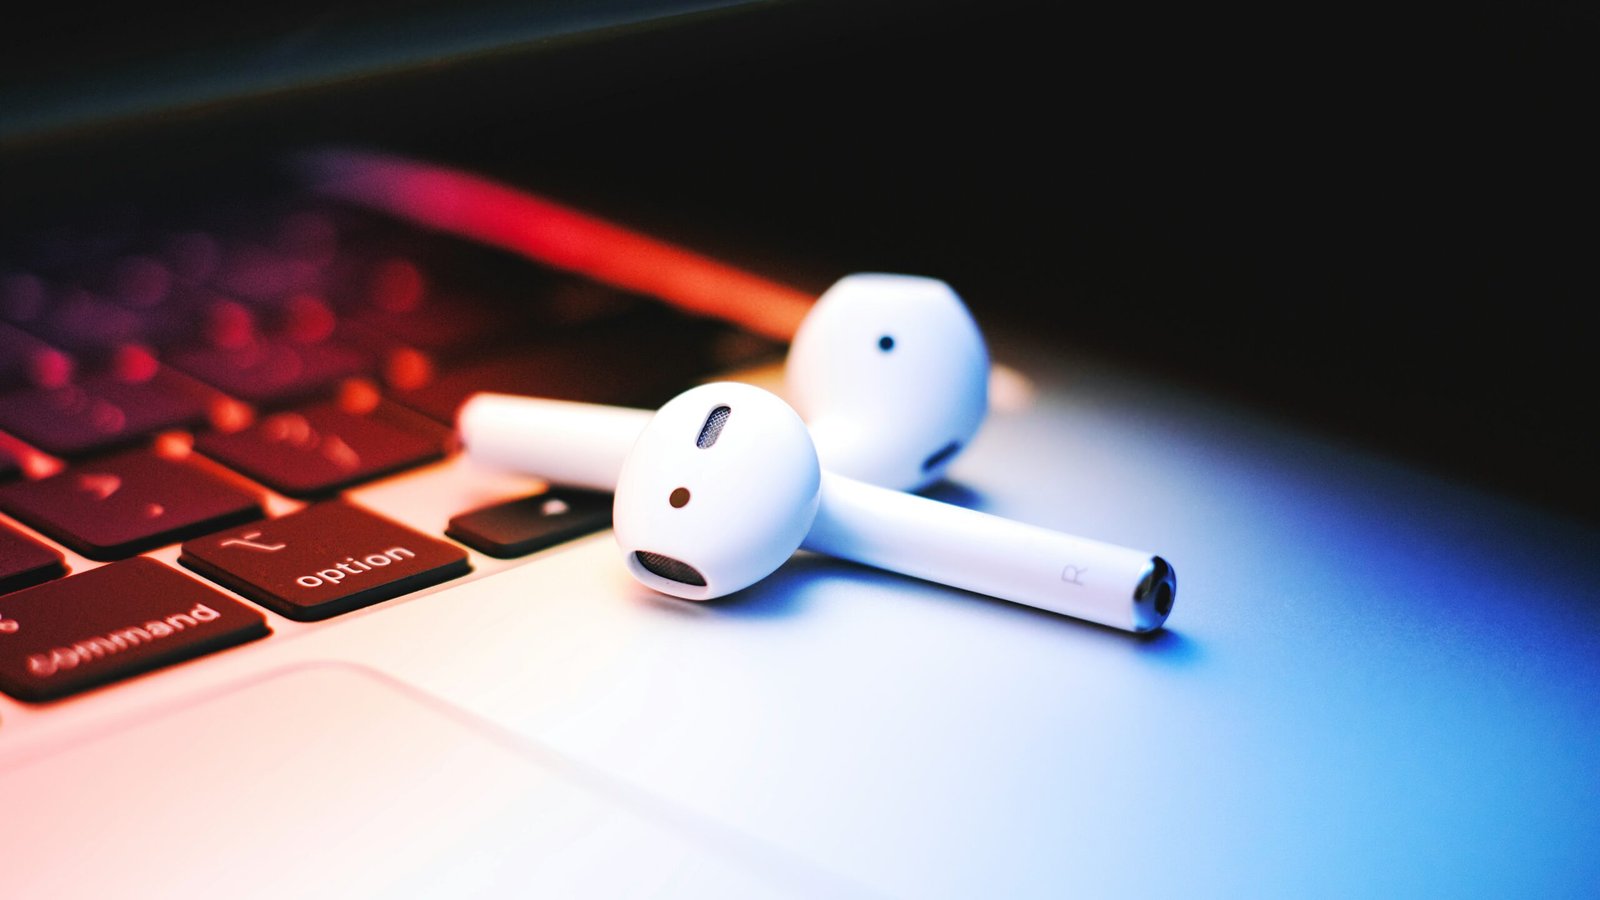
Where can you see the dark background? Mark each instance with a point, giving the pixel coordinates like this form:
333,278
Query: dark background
1375,220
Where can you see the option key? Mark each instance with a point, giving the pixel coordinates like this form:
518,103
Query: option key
323,560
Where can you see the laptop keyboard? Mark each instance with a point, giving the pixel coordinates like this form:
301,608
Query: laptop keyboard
128,503
172,379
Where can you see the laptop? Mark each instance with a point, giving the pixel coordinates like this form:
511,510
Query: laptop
272,632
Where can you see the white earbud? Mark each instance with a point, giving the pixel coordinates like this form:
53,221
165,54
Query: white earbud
573,444
723,485
891,375
890,372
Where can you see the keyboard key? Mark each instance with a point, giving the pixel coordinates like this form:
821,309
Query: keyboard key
179,321
102,411
81,322
459,326
24,562
127,504
25,360
110,623
273,372
323,560
520,527
258,273
138,282
322,449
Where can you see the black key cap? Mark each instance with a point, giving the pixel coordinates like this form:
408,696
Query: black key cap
82,322
110,623
138,281
127,504
520,527
24,562
101,412
323,560
322,449
26,360
259,273
179,321
272,372
443,331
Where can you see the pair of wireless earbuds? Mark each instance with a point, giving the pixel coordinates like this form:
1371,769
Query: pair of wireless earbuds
720,486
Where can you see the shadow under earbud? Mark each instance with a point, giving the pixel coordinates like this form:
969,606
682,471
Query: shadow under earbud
1171,648
954,493
783,593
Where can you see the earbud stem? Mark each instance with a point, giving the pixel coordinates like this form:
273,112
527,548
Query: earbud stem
939,542
573,444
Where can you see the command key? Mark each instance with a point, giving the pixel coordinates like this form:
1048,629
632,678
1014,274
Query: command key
111,623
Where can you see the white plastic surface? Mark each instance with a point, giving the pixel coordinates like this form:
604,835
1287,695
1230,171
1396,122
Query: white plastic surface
334,781
573,444
978,552
892,375
750,495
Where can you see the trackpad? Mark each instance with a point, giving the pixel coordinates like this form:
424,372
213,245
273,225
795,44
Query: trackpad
334,781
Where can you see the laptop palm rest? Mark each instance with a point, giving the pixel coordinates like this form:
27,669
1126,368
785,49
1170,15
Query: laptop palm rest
330,780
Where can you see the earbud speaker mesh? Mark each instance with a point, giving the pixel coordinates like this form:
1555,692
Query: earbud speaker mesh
669,568
712,429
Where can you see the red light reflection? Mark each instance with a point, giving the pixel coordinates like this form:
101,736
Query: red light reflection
496,214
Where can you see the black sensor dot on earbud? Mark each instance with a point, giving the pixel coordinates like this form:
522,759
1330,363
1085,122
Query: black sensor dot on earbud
886,343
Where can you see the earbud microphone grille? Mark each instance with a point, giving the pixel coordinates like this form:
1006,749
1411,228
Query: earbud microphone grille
669,568
712,429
